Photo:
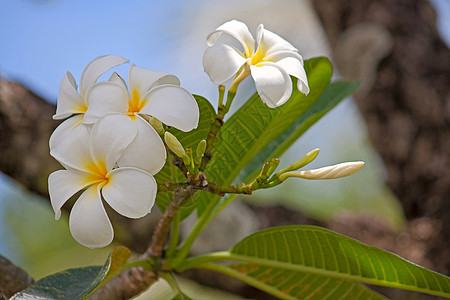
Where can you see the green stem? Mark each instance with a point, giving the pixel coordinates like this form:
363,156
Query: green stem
247,279
215,127
172,283
230,97
221,94
204,219
159,237
231,189
174,236
194,262
222,110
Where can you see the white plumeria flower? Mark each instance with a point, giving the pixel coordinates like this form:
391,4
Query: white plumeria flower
150,93
72,102
270,61
128,190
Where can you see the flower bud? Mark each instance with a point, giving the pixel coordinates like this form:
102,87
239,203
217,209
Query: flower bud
156,124
201,148
275,162
330,172
309,157
174,144
187,158
268,168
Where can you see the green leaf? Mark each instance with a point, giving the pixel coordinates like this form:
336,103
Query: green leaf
255,125
318,251
76,283
286,284
113,266
333,95
68,284
171,173
207,116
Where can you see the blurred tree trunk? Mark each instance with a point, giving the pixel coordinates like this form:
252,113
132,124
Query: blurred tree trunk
393,47
25,127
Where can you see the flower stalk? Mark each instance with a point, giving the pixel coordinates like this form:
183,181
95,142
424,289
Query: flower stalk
308,158
161,232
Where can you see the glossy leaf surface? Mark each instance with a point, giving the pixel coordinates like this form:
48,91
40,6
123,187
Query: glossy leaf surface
318,251
76,283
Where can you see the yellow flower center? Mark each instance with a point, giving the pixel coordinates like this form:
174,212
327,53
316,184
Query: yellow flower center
135,104
98,173
80,108
257,58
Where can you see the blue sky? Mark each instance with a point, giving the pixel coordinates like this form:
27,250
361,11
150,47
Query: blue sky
42,39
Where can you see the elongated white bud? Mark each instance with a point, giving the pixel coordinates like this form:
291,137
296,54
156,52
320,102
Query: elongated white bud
174,144
330,172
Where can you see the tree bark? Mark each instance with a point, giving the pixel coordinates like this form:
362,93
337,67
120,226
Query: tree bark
128,284
393,47
12,278
25,127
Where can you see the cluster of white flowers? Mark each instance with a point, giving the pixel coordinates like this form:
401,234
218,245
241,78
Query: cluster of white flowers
107,145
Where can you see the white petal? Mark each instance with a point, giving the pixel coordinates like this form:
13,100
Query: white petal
60,131
105,98
239,31
64,184
269,42
172,105
273,84
221,62
292,63
69,100
142,80
88,221
109,137
147,150
130,191
117,79
96,68
69,143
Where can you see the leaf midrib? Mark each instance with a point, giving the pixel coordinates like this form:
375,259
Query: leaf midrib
228,256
